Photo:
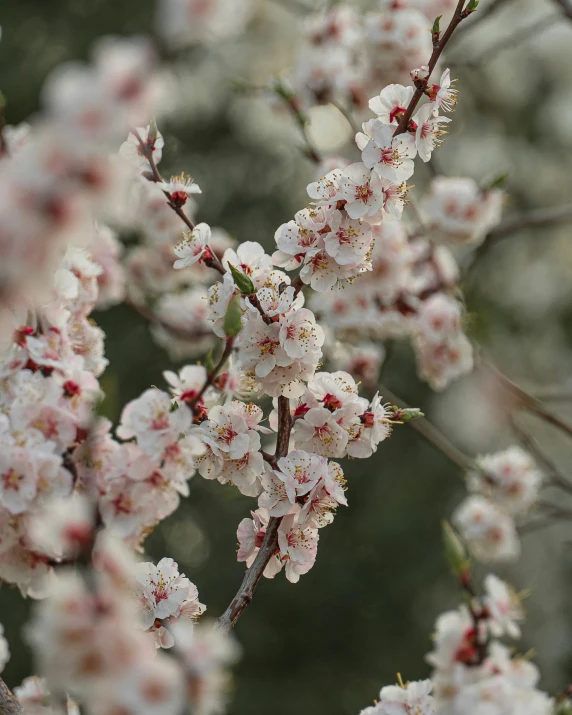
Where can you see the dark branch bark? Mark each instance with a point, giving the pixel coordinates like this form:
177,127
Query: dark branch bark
270,543
457,18
8,703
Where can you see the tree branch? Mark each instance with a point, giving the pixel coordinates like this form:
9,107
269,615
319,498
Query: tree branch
552,216
566,7
8,702
432,435
270,542
527,402
421,85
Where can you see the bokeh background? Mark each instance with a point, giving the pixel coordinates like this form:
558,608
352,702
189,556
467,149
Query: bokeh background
366,610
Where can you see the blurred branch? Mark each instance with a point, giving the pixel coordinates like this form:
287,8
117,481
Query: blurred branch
530,403
484,13
566,7
554,475
552,216
432,435
505,43
536,218
8,703
270,542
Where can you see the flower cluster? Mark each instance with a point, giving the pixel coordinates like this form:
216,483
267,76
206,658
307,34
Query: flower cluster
473,671
56,176
505,486
345,53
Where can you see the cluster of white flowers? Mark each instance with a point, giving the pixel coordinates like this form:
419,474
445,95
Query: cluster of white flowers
505,486
95,639
345,53
473,672
56,176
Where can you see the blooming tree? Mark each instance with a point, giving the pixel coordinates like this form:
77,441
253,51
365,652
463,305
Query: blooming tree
112,632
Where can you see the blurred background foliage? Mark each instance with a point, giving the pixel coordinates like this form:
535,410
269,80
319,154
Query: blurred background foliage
367,608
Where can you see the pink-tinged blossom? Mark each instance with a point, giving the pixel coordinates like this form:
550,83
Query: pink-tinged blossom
489,532
325,190
250,534
18,480
4,650
180,188
300,334
151,419
318,431
362,190
509,478
193,247
349,241
225,432
250,259
131,149
391,157
301,471
392,103
409,699
444,94
429,134
187,384
259,347
164,593
219,296
63,527
298,547
503,606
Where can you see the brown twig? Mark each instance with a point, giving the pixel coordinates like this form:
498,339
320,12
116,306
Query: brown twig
555,477
270,542
432,435
566,7
552,216
530,403
421,85
147,152
9,705
506,43
211,375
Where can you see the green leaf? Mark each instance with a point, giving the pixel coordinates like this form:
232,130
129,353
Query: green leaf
436,29
455,550
497,182
209,362
410,413
242,281
232,324
153,131
472,6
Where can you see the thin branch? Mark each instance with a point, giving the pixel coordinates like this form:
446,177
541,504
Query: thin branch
270,542
421,85
513,40
566,7
530,403
488,11
211,375
552,216
554,474
9,705
432,435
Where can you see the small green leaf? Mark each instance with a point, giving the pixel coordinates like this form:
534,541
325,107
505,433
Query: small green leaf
209,362
410,413
497,182
232,324
472,6
455,551
153,132
242,281
436,29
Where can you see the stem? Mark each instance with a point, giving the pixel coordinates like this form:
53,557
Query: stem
157,178
530,403
270,543
457,18
565,6
8,703
213,373
434,436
